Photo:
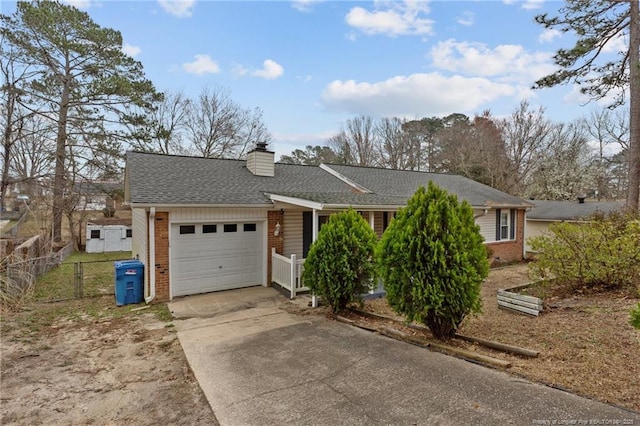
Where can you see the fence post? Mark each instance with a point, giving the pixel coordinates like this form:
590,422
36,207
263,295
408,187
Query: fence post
76,275
81,281
293,276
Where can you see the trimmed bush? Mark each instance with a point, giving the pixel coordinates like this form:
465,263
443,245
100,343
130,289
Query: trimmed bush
339,266
432,260
599,254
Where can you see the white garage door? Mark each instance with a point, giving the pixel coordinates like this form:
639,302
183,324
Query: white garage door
215,256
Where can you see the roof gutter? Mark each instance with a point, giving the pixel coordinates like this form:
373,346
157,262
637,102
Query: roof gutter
152,256
181,206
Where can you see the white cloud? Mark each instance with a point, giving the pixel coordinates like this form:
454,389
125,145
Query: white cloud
80,4
616,45
532,4
548,35
576,97
416,95
130,50
202,64
509,62
392,18
527,4
304,5
304,78
179,8
467,18
270,70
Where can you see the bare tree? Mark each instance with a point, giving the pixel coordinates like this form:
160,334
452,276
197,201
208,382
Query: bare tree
356,142
393,145
162,130
13,113
220,128
610,130
565,169
33,153
525,134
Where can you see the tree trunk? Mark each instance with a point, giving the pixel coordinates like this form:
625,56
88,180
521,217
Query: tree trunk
59,177
8,143
633,191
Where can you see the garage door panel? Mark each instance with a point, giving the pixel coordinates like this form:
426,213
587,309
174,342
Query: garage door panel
204,262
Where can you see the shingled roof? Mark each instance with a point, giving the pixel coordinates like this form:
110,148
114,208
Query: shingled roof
404,183
155,179
174,180
570,210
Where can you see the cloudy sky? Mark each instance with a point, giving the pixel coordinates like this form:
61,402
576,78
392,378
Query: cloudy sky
311,64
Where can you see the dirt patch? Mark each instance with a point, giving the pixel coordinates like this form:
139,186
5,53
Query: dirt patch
90,362
585,342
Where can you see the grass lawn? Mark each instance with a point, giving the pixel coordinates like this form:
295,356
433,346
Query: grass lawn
97,271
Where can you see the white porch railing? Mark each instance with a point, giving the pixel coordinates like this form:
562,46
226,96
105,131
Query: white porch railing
287,272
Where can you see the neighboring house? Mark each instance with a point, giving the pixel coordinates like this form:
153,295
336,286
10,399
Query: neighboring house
108,234
97,196
544,213
211,224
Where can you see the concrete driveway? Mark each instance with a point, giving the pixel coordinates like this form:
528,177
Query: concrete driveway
260,364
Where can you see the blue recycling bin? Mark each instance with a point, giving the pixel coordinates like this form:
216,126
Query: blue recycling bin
129,282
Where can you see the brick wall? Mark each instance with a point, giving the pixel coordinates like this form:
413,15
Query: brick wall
509,251
161,262
274,217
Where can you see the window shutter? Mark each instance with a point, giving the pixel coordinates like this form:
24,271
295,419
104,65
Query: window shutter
512,227
497,224
307,234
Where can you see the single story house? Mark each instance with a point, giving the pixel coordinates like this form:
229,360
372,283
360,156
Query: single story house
97,196
544,213
202,225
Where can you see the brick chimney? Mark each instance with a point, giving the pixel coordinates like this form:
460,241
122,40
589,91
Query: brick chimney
260,160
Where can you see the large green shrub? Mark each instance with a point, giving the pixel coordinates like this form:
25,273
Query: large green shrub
432,260
602,253
339,266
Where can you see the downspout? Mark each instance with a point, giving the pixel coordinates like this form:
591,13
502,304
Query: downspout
484,213
152,255
314,237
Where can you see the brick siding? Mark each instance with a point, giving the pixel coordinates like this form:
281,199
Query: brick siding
274,217
162,256
509,251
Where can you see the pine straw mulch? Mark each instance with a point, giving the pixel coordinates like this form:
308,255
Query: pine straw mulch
586,344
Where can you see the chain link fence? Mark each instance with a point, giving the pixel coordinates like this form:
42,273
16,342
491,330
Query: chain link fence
18,278
76,280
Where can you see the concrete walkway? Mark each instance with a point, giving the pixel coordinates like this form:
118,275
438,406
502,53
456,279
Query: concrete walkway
261,365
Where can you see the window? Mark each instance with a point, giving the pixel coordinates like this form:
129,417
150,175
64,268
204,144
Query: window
129,233
505,224
95,233
230,227
209,229
249,227
187,229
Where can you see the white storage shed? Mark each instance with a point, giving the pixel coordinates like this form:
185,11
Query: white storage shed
107,237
